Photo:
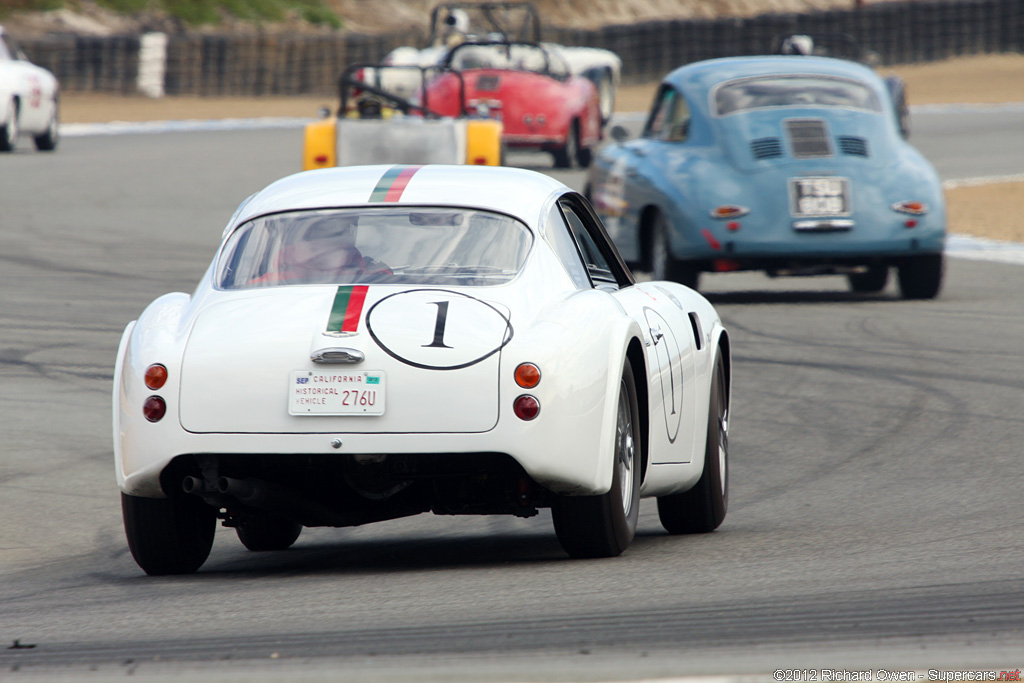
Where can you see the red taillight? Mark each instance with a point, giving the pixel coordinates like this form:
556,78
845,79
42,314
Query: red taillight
527,375
156,376
480,161
729,211
913,208
526,407
320,159
154,408
733,225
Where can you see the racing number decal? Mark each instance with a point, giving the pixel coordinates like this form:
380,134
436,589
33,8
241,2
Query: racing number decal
442,318
460,329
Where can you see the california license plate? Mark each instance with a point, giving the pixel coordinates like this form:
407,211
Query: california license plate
819,196
336,393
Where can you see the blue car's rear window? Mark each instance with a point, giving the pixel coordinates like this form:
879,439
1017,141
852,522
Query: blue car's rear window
793,91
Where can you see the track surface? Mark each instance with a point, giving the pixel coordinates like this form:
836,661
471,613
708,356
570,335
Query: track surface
875,517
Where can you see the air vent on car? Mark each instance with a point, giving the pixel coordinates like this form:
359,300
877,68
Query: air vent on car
808,138
853,145
766,148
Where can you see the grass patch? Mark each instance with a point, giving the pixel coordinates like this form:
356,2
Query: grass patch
200,12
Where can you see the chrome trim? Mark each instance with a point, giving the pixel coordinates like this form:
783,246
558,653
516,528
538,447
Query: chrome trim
823,225
337,355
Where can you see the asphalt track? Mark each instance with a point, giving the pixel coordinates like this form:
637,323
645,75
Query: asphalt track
874,524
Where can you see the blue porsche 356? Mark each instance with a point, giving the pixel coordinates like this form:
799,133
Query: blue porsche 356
792,165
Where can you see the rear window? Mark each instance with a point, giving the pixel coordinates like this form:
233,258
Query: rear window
793,91
429,246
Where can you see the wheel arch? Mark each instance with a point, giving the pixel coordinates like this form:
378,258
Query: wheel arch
637,361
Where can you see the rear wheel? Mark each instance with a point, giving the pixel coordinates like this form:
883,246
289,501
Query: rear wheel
604,525
9,128
702,508
874,279
47,142
565,156
920,277
267,532
168,535
661,264
584,156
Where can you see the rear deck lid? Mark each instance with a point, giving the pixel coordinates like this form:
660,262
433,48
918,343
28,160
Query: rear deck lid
392,360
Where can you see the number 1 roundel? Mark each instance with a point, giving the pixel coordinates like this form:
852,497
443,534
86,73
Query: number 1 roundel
438,329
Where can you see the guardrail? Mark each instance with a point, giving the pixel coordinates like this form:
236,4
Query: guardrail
276,64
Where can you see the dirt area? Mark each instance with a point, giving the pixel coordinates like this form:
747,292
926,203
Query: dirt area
383,16
994,211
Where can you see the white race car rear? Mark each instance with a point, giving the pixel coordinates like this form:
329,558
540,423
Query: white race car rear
376,342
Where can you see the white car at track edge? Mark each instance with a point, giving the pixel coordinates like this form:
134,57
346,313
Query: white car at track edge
373,342
29,100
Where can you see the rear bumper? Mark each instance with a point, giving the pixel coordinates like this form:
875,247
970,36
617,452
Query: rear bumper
710,250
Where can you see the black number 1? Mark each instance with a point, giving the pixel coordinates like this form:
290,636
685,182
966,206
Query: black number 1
442,317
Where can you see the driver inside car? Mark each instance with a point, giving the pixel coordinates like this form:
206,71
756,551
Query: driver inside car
325,252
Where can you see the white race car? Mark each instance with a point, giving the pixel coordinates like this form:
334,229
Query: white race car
29,100
372,342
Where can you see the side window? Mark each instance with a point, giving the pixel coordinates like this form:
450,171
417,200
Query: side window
658,120
679,122
597,267
564,245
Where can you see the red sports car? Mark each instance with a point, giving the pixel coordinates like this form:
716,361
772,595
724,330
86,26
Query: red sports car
542,105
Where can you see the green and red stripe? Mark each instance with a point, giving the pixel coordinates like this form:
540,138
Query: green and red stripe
347,308
393,183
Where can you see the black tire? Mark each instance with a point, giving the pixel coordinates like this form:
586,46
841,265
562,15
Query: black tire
565,155
874,279
168,535
9,129
584,157
920,277
702,508
267,532
661,264
604,525
47,142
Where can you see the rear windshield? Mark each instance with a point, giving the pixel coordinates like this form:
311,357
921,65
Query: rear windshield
430,246
793,91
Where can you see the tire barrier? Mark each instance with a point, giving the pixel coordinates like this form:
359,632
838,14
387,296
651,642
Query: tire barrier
295,64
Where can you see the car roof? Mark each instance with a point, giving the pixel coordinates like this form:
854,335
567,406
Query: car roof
704,75
520,193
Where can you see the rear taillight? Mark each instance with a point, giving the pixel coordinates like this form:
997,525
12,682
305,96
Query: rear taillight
154,408
527,375
526,407
910,207
156,376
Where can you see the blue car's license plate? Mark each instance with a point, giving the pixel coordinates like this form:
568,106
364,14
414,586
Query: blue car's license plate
828,196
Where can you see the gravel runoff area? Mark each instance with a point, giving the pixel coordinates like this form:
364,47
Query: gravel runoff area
993,210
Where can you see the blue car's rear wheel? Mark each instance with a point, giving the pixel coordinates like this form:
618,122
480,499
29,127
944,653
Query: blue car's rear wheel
920,277
604,525
168,535
661,263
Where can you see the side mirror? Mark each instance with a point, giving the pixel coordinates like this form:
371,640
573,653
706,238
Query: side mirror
619,133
